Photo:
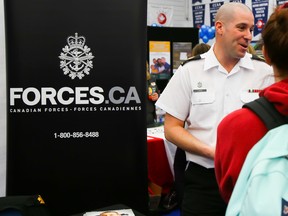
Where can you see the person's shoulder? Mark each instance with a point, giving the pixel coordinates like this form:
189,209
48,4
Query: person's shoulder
239,117
194,58
261,65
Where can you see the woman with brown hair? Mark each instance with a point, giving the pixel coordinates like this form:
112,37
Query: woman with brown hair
242,129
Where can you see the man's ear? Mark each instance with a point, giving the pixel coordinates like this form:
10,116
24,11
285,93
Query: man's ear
267,59
219,27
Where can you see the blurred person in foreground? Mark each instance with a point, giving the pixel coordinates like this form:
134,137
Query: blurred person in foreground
242,129
202,91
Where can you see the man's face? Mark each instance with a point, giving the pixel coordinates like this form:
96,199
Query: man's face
237,34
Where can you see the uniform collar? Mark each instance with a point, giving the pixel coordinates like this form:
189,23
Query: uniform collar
211,60
246,62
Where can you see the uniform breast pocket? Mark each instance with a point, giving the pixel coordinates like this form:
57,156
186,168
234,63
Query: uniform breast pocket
247,97
202,98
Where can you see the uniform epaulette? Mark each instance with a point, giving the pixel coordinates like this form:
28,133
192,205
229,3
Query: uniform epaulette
197,57
258,58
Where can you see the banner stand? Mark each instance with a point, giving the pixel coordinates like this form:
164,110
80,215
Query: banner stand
76,126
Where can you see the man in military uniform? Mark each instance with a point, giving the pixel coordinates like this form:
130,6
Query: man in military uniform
202,91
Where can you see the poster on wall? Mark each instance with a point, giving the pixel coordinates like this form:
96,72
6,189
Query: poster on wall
240,1
260,11
159,59
167,36
160,15
181,52
280,2
76,127
213,10
198,12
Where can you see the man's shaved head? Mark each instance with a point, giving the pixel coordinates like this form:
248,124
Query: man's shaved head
228,10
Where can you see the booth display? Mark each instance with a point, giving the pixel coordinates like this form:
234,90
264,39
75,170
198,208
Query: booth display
76,127
174,44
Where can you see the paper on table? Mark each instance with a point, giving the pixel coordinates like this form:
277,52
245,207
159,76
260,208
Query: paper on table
118,212
156,132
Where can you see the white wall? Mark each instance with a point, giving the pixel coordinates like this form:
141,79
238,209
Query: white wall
180,17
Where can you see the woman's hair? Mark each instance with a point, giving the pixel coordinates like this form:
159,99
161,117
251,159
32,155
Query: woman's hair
200,48
275,37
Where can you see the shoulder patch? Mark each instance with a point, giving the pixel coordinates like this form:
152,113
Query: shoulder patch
258,58
197,57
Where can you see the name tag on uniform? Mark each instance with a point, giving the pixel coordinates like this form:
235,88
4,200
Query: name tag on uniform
199,90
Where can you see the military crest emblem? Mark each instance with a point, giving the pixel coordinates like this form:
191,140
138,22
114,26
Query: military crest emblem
76,57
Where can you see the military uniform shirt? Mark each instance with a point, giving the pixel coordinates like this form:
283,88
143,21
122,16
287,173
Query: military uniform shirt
202,92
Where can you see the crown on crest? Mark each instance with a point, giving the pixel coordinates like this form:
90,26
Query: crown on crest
76,41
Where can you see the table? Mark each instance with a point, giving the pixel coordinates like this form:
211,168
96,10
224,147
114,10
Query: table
160,159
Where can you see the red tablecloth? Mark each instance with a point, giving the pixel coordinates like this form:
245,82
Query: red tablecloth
159,171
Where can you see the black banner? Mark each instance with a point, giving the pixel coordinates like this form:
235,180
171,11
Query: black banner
198,12
76,103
